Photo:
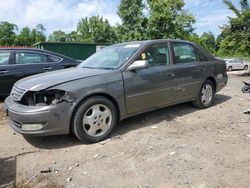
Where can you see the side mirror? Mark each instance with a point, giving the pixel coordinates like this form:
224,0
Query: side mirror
140,64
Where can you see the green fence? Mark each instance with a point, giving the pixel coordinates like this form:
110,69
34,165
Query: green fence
74,50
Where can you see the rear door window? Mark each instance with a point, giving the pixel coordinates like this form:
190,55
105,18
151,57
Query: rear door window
53,59
4,58
29,58
184,53
201,56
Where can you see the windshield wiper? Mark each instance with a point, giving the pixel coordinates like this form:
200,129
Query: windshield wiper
106,68
90,67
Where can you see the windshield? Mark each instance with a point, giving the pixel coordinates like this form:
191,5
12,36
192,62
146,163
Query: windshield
111,57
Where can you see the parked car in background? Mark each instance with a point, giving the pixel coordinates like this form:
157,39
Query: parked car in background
17,63
117,82
236,64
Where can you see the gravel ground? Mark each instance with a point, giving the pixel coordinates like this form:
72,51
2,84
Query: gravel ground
178,146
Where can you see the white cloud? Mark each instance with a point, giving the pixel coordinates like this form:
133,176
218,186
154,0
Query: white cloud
54,14
65,14
216,18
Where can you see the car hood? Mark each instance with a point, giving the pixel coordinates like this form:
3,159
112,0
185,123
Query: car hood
45,80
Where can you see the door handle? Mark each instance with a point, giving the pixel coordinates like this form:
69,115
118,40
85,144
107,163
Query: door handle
199,69
4,71
171,75
47,68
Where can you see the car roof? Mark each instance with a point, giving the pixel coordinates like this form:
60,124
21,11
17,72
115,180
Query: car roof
143,42
36,50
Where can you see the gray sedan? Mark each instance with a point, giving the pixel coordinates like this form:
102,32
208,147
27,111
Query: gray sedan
235,64
117,82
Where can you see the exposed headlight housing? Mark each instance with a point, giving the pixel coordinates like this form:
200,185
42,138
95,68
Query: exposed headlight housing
43,98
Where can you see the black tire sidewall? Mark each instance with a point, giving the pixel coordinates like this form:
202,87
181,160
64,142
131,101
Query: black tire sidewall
230,68
81,110
245,89
245,67
199,98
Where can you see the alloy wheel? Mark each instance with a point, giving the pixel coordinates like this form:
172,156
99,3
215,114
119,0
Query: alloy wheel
97,120
206,94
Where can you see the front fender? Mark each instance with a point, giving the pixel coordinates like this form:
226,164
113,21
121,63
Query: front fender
106,84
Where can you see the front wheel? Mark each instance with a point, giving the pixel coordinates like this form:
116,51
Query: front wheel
230,68
245,67
206,95
94,119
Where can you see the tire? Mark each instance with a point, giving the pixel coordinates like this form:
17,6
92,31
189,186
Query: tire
245,89
94,119
245,67
206,95
230,68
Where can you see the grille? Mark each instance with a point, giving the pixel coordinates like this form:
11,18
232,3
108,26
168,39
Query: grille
17,93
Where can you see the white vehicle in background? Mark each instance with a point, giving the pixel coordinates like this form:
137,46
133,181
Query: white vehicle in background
236,64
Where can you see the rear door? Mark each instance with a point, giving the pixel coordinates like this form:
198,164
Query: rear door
6,72
189,71
239,64
30,62
151,87
54,62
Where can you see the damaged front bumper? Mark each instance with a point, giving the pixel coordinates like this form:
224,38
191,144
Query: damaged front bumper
39,120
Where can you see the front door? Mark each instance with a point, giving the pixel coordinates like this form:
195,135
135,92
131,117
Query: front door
151,87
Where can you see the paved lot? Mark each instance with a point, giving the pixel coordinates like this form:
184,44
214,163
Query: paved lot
178,146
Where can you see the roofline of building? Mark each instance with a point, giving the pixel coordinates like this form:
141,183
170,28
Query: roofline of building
67,43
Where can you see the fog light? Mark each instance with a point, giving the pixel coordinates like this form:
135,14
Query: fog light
32,127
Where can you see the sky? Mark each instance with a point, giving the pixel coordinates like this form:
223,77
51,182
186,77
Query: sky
65,14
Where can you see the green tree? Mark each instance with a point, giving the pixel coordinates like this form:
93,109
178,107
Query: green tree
194,38
40,33
24,38
218,42
33,36
133,25
95,29
58,36
168,20
236,35
7,33
208,41
72,36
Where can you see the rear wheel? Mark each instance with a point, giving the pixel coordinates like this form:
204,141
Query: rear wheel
230,68
245,67
206,95
94,119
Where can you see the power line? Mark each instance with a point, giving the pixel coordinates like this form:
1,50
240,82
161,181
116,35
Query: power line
200,4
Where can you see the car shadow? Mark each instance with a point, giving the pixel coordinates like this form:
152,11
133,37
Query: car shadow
8,172
53,142
165,114
130,124
2,99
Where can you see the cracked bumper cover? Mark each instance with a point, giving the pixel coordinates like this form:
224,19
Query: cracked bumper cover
55,119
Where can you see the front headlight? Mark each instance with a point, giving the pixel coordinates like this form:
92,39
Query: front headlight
43,98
